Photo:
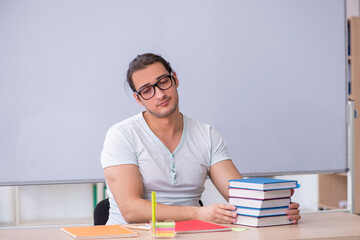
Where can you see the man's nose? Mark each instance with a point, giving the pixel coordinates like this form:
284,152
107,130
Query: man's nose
159,93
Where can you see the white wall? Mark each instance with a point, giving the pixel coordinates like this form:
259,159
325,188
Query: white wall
352,8
308,193
48,204
55,202
6,205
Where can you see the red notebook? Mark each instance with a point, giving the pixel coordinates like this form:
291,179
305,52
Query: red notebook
195,226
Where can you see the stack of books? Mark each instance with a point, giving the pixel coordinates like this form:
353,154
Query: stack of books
261,202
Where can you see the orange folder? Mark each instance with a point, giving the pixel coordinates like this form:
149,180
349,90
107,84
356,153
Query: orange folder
101,231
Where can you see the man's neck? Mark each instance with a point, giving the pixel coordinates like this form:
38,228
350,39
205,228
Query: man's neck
168,126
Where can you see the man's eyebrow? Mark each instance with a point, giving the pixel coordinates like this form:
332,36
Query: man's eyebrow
161,76
143,86
158,78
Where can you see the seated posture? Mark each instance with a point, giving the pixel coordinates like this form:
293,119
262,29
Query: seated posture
165,151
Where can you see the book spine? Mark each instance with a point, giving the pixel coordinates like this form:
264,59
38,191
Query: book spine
257,216
259,209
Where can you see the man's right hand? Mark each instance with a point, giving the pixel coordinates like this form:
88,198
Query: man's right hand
218,213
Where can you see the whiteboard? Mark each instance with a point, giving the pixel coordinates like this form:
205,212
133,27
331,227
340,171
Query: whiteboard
270,76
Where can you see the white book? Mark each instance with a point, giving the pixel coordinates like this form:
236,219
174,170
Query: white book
256,203
263,183
259,194
261,212
262,221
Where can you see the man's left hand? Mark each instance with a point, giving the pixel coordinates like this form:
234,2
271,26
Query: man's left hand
293,212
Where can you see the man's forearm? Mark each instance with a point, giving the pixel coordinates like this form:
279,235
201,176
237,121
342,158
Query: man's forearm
139,211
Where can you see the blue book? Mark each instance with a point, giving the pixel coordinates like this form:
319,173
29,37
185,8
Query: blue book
256,203
261,212
263,183
259,194
262,221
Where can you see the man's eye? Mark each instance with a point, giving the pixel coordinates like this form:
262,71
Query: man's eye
164,81
145,91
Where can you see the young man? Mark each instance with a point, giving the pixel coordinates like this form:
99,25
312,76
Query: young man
165,151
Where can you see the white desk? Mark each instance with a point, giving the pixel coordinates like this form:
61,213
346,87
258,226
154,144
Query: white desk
335,225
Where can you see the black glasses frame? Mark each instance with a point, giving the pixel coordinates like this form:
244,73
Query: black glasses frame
156,85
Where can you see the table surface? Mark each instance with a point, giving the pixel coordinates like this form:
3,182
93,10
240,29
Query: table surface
322,225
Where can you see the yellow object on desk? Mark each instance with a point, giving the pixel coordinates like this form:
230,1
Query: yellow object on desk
153,206
163,230
160,229
145,227
238,229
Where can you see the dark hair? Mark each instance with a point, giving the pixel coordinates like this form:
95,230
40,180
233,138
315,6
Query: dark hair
141,62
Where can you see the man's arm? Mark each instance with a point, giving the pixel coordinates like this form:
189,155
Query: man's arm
222,172
127,188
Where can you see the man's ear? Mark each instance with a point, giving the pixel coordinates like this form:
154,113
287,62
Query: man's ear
137,98
176,79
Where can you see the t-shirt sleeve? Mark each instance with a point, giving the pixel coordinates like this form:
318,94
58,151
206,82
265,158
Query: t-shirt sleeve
117,148
219,150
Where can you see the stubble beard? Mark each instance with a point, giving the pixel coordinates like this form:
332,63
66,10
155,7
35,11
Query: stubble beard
170,111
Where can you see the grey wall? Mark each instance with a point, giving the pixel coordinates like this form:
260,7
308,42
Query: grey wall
268,75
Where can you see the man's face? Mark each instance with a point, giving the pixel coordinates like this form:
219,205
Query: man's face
164,102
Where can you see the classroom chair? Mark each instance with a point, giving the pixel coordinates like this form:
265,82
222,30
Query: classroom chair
101,212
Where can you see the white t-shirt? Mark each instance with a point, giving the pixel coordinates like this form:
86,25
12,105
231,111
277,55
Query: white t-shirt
177,178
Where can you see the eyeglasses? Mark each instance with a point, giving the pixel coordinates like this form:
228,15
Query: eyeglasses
163,83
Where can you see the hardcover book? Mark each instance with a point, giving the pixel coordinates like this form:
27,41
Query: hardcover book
261,212
195,226
101,231
262,221
263,183
259,194
256,203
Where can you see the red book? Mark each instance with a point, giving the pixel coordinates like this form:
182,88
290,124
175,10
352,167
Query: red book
194,226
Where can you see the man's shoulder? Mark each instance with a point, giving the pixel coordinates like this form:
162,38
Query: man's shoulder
128,123
196,124
196,127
